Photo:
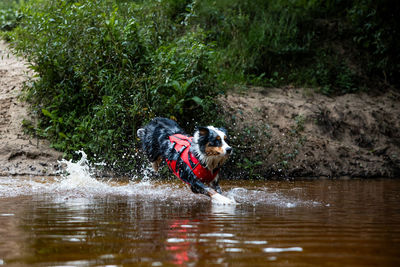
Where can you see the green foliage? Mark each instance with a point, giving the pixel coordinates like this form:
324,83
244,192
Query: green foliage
249,167
9,14
336,46
329,75
255,37
102,73
377,34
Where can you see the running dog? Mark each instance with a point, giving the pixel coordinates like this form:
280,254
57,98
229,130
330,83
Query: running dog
195,160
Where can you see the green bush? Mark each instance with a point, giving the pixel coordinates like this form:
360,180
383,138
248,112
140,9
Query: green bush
102,73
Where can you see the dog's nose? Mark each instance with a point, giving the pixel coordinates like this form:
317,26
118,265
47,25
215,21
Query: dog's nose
228,150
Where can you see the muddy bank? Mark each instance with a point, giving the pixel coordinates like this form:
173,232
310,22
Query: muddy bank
20,154
297,133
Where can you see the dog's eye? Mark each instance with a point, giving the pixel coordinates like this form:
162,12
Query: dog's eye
218,138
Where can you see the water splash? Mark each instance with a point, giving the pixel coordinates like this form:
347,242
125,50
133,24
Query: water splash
78,180
263,196
78,175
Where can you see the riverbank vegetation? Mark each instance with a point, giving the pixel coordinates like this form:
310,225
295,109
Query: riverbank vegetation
103,68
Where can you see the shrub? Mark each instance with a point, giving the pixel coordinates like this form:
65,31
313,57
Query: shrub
103,72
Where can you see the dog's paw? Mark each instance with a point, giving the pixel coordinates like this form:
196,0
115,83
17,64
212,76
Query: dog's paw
221,200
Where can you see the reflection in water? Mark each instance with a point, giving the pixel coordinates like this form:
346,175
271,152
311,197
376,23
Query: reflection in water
179,243
302,223
223,210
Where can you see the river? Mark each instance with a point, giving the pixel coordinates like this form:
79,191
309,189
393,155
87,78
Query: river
78,220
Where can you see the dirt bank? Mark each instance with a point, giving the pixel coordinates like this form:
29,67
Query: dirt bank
20,154
295,132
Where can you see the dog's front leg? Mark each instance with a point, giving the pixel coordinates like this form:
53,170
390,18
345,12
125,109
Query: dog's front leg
215,185
199,187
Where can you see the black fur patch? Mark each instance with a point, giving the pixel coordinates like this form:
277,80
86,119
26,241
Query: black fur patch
155,139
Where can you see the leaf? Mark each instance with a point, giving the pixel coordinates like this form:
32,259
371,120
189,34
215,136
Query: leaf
176,85
47,129
198,100
187,84
47,113
63,135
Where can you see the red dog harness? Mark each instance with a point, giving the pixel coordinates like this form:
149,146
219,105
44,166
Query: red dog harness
182,145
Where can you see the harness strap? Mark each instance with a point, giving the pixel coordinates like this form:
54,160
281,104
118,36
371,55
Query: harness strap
192,164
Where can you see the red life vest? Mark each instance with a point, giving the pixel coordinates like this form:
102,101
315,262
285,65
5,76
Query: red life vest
182,146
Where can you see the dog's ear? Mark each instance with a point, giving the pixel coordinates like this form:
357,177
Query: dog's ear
203,131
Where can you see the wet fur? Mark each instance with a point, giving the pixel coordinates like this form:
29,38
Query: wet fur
209,146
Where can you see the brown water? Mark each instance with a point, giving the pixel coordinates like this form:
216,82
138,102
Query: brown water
79,221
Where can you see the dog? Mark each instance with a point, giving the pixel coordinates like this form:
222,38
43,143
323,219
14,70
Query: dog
195,160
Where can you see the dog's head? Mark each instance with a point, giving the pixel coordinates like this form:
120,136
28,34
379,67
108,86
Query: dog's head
211,146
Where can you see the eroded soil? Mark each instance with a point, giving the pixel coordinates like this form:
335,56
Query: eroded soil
20,154
295,132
